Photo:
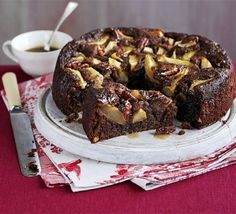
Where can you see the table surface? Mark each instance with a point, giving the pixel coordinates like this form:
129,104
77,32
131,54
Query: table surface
214,192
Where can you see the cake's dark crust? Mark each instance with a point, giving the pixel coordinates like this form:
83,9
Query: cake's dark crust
199,105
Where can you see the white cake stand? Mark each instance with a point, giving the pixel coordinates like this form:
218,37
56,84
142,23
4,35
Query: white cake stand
144,149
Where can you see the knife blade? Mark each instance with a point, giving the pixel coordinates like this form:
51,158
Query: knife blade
22,130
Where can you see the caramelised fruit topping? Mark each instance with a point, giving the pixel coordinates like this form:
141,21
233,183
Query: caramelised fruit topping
121,75
100,41
187,56
169,89
80,80
205,63
136,94
150,65
135,62
139,116
190,70
187,42
122,36
113,113
197,83
111,46
121,105
121,54
166,59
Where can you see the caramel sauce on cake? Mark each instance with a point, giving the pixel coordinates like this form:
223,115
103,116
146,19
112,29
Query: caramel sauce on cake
133,135
162,136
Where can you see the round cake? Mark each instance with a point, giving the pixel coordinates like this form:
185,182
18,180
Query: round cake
126,80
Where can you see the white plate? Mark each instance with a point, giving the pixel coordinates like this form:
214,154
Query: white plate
145,149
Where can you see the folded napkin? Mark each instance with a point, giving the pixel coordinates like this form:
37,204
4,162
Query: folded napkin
61,168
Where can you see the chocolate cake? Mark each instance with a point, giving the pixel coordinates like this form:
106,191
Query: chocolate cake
130,79
114,110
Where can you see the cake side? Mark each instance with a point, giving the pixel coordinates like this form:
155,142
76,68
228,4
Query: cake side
200,78
115,110
204,104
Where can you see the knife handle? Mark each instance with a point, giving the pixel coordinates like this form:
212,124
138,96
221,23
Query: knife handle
11,88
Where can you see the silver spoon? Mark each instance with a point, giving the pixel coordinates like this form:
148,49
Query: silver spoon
68,10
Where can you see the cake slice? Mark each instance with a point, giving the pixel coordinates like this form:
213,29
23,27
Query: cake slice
115,110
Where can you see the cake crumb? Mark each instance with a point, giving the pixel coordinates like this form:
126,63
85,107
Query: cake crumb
181,132
31,153
224,121
72,117
33,167
165,130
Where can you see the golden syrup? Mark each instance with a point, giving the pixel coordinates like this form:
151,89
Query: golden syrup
162,136
133,135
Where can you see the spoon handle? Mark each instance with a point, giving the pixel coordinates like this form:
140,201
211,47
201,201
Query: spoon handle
68,10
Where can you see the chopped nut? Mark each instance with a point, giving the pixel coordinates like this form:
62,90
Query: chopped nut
77,73
113,113
142,43
111,45
149,65
101,41
166,130
156,32
133,61
139,116
148,50
169,69
205,63
136,94
169,90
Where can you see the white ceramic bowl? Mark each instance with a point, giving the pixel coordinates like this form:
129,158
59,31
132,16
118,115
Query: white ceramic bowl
35,63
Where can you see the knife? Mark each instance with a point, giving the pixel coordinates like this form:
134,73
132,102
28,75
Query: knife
22,130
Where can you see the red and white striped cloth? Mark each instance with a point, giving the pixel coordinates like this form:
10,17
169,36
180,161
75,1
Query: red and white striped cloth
61,168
